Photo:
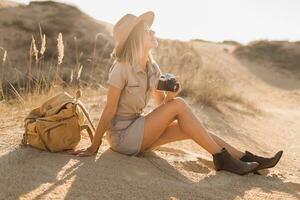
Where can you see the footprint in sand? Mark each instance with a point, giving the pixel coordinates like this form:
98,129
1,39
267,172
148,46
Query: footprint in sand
200,165
195,166
208,163
172,151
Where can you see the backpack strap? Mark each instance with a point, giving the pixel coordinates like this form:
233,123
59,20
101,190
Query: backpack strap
84,110
86,127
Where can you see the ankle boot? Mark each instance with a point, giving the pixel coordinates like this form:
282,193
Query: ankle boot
224,161
263,162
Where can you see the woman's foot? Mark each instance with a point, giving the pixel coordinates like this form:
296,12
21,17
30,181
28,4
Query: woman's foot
263,162
224,161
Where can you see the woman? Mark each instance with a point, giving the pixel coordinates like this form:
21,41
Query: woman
132,78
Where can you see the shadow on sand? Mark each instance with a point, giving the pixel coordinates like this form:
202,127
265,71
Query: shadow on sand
36,174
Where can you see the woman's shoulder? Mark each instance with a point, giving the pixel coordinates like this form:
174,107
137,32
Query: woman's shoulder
119,66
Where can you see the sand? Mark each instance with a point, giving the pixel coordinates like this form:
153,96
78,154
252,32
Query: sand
179,170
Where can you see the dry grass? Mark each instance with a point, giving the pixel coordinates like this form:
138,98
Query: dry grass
19,26
36,81
32,100
179,58
202,81
75,63
55,56
211,88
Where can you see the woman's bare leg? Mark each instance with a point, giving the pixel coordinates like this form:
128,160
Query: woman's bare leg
159,119
171,134
232,150
174,133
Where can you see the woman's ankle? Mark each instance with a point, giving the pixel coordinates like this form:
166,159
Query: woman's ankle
240,155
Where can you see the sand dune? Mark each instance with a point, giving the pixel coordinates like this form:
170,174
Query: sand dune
179,170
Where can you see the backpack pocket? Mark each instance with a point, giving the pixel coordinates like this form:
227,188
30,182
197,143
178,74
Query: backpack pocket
61,135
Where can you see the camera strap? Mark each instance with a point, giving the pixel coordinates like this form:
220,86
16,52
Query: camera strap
148,82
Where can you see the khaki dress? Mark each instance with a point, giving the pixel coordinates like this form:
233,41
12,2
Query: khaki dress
126,130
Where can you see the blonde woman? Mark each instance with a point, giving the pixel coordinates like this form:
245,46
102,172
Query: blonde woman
132,79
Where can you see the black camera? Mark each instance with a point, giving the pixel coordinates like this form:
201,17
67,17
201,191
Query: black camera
168,82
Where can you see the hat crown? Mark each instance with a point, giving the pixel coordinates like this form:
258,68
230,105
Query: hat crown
126,24
121,25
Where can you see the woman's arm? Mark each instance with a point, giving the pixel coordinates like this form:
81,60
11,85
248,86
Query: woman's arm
103,125
158,96
108,113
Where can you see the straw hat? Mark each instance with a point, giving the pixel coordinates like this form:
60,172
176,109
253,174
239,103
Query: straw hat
124,26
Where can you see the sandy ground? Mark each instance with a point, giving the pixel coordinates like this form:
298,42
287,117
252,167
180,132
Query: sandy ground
179,170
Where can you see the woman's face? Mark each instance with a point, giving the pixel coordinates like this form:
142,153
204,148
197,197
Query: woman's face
150,40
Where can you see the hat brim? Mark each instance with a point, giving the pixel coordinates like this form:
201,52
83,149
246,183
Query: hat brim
148,17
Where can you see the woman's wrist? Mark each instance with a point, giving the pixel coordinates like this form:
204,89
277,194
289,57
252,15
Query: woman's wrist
166,100
94,148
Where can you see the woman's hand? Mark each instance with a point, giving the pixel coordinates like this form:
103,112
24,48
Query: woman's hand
90,151
171,95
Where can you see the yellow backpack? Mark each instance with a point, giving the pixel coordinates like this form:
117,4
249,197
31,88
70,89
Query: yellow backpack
57,124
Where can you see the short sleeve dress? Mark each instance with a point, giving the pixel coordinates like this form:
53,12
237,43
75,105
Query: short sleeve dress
126,130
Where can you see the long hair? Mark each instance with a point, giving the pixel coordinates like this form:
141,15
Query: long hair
133,47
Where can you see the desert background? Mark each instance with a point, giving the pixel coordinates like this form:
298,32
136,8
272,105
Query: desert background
249,95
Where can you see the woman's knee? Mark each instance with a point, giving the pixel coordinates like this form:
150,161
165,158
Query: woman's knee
181,103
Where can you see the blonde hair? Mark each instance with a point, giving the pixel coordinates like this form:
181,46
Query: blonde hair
133,47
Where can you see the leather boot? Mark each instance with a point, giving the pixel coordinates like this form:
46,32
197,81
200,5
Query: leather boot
263,162
224,161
